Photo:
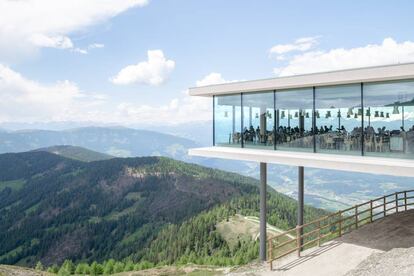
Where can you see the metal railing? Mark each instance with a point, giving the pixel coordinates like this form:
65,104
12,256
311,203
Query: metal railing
336,224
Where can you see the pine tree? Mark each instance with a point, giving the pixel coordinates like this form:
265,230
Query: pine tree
39,266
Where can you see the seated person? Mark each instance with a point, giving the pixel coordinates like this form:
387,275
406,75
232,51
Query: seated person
343,130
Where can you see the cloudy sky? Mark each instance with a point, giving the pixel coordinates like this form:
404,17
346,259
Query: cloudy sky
131,61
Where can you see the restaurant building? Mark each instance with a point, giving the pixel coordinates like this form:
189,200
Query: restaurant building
359,120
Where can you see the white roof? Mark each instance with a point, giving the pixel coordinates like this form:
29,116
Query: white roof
368,74
363,164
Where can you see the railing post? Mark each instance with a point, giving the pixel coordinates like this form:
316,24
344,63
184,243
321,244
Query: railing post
340,224
298,238
405,200
356,216
385,208
370,210
319,233
270,257
396,202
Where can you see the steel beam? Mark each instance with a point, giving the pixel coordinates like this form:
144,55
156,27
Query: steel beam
301,180
263,184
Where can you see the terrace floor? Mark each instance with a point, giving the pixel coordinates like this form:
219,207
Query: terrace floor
343,255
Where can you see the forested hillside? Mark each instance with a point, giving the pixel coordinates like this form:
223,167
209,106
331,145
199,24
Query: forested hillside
77,153
151,208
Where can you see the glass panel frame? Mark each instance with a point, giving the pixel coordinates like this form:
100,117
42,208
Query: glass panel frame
258,120
338,119
227,120
294,120
389,119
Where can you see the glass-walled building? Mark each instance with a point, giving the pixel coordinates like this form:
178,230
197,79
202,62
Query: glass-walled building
357,120
361,118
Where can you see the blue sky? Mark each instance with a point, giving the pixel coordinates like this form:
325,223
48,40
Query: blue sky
44,76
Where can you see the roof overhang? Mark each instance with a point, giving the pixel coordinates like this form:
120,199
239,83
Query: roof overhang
362,164
368,74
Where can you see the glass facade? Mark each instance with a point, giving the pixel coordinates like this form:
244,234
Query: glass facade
294,120
258,120
338,117
227,120
389,119
373,119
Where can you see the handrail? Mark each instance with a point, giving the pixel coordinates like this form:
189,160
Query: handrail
334,225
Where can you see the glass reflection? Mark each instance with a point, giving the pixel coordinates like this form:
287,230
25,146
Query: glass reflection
338,119
227,120
294,120
389,119
258,120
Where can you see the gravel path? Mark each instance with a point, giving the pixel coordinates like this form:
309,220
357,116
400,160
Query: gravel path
399,261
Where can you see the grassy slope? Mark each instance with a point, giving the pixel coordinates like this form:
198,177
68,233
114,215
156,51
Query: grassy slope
77,153
8,270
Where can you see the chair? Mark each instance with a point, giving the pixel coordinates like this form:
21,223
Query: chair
270,139
369,143
236,138
379,144
349,143
329,142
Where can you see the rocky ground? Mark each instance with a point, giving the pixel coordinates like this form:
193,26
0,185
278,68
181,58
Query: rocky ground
398,261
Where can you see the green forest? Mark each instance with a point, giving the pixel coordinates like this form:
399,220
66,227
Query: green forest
132,213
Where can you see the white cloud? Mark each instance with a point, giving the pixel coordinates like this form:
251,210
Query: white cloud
388,52
80,51
28,101
24,99
300,44
178,110
28,25
212,78
59,42
90,47
96,45
154,71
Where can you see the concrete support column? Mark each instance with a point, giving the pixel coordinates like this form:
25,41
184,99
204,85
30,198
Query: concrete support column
263,184
301,180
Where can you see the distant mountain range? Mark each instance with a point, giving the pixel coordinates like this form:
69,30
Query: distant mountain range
324,188
116,141
121,142
54,208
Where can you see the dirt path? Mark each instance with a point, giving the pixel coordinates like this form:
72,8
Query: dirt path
268,226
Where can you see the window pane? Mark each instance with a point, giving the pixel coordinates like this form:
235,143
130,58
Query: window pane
338,116
258,120
389,119
294,120
227,120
